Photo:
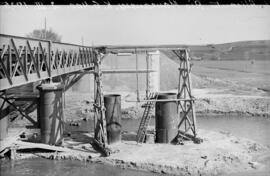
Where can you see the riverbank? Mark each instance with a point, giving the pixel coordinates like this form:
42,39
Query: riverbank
220,154
220,102
208,101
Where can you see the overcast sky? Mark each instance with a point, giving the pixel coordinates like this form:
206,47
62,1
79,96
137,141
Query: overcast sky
144,25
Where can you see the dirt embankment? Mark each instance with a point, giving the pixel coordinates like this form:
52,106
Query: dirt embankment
254,106
211,102
220,153
208,101
218,101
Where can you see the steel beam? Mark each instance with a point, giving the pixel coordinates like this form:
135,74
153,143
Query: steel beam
33,60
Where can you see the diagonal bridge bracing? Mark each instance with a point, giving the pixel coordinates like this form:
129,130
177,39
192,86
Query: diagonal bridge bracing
26,60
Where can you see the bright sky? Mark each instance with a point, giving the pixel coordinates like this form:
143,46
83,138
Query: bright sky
142,25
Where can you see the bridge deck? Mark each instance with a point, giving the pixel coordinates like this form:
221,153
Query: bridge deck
26,60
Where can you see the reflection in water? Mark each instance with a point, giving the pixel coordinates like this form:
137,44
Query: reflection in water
254,128
45,167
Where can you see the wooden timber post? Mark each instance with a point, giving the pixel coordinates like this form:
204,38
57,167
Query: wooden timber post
100,126
186,109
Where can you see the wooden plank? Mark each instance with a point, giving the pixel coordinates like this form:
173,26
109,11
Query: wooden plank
29,145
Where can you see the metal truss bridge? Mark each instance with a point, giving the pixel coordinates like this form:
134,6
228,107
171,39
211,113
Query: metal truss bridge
25,60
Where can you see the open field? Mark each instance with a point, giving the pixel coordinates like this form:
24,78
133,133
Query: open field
256,75
244,50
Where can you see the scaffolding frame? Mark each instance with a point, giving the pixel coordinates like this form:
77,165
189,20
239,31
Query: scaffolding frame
99,108
186,108
185,99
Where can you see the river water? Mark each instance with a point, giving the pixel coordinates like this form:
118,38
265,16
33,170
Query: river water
254,128
45,167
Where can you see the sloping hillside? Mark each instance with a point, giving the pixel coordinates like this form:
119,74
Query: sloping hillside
254,50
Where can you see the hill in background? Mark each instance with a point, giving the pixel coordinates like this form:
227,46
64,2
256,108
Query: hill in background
247,50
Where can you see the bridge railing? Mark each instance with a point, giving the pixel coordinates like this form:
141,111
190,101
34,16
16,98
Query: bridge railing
26,60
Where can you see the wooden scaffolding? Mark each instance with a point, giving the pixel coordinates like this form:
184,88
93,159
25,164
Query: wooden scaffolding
186,108
100,119
187,128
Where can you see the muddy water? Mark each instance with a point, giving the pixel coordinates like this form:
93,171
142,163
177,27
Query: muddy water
254,128
45,167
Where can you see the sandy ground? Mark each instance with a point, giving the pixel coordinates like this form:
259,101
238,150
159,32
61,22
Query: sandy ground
219,154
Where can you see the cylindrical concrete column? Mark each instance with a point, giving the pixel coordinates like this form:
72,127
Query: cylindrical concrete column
154,77
166,119
51,113
112,103
3,120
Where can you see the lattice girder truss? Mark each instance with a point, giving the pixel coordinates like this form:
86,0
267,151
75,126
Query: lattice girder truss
26,60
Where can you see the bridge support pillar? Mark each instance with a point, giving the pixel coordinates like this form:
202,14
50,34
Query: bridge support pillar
154,77
3,119
51,113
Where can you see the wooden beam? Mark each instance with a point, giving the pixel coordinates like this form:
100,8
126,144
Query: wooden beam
127,71
26,145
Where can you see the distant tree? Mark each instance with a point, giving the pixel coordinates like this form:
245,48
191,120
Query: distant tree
48,35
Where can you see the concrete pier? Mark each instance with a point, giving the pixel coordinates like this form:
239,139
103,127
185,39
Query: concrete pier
154,77
3,119
51,113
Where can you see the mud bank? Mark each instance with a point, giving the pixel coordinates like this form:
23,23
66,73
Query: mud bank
219,154
212,101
